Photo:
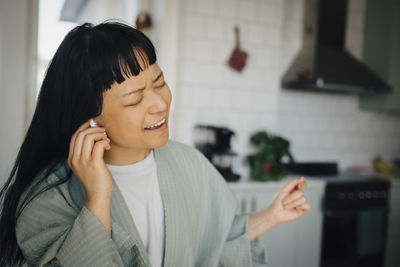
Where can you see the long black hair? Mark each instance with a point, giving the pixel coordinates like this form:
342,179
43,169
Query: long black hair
88,61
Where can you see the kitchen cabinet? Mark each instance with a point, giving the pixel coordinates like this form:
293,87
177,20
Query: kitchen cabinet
381,52
292,244
393,231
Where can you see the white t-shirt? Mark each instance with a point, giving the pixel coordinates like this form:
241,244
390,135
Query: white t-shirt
138,184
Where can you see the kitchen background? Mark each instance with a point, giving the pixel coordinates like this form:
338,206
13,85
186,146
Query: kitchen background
320,126
194,40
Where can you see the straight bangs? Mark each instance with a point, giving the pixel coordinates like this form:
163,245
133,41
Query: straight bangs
115,52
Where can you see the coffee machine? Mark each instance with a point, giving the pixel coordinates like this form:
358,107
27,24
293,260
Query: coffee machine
215,143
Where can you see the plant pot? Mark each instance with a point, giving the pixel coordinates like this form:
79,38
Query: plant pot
267,171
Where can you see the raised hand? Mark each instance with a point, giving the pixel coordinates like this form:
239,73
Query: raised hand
288,205
85,159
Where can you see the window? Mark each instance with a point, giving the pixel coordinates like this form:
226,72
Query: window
51,32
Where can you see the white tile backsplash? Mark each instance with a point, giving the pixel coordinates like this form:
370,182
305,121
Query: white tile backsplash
321,127
227,9
206,8
247,10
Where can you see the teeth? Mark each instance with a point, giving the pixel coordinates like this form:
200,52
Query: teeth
157,124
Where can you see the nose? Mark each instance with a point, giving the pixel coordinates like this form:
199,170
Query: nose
157,102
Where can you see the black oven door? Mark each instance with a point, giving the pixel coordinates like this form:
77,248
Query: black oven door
354,238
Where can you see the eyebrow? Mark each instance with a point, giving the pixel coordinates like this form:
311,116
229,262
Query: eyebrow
142,88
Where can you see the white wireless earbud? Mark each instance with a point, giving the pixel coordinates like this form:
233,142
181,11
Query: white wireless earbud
94,124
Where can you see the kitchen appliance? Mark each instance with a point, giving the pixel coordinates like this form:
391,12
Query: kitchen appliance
323,63
354,223
215,143
312,168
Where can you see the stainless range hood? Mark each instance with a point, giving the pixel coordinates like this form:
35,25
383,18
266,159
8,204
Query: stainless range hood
323,64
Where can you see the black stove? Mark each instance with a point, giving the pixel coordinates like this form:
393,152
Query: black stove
355,211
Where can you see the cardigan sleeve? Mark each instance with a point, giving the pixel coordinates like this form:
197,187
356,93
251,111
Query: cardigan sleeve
239,250
50,232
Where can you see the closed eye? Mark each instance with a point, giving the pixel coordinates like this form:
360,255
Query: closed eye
134,104
160,86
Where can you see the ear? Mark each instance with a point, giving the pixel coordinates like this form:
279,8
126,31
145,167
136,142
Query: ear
97,121
94,122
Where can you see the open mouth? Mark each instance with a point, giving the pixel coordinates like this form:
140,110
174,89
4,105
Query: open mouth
156,125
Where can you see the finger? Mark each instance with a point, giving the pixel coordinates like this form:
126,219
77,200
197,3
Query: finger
85,125
301,212
290,187
98,149
292,196
88,143
295,203
79,140
304,207
302,185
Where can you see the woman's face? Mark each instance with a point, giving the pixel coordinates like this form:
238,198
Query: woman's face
129,112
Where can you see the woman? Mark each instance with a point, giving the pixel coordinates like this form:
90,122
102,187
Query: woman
121,194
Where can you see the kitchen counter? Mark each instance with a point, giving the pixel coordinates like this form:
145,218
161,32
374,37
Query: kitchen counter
311,183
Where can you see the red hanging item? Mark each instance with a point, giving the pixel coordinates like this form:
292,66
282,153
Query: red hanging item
143,21
237,61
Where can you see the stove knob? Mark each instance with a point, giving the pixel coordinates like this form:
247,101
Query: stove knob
350,195
361,195
368,195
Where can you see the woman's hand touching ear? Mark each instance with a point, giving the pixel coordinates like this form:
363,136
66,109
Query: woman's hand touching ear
288,205
85,159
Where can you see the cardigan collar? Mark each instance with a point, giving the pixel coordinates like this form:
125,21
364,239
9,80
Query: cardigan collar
121,215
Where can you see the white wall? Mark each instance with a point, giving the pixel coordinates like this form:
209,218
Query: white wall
320,126
207,90
16,85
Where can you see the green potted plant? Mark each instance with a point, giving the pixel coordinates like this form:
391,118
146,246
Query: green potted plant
266,163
